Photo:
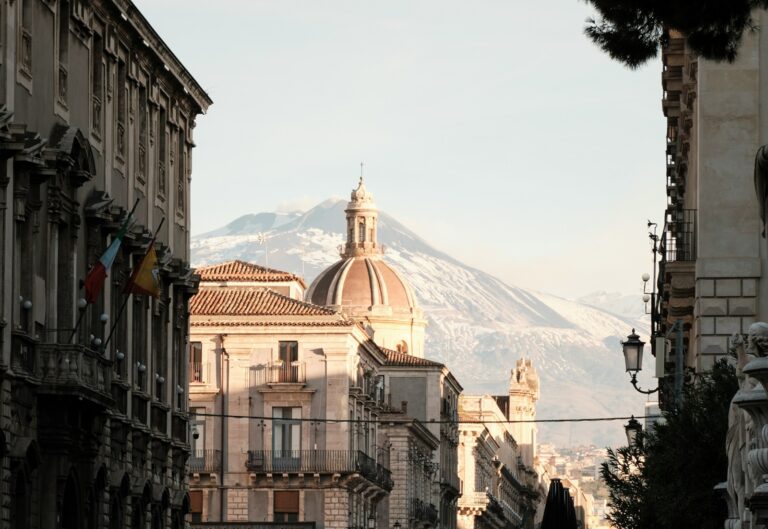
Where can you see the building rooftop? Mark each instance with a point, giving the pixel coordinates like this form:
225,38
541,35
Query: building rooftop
243,271
252,302
396,358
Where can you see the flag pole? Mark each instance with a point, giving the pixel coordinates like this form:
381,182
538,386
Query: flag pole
77,325
125,300
84,309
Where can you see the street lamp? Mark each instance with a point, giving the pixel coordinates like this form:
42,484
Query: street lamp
372,520
396,526
632,429
633,359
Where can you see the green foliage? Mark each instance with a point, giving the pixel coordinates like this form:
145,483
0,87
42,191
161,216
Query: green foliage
632,31
667,481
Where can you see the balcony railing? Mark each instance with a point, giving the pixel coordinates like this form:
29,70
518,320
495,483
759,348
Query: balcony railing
423,512
68,367
510,513
280,372
678,242
319,461
252,525
205,461
199,373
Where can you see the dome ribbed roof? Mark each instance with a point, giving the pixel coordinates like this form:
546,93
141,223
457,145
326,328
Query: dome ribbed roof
362,282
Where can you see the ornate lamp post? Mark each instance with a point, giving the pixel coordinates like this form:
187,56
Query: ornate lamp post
633,359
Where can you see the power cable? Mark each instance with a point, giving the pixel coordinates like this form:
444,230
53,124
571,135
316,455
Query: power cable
406,421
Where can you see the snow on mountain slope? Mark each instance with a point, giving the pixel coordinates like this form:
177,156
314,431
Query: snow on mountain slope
478,325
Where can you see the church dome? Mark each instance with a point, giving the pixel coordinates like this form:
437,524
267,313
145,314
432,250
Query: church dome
362,283
364,287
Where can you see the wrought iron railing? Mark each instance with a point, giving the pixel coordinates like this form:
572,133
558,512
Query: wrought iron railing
678,242
252,525
319,461
423,511
280,372
205,461
199,373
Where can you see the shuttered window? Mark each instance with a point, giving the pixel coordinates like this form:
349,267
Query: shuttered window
286,506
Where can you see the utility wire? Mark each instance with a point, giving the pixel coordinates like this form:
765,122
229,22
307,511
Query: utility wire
406,421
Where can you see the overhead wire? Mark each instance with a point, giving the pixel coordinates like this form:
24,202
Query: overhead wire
428,421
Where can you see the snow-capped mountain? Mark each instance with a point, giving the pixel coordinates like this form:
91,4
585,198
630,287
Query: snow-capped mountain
478,325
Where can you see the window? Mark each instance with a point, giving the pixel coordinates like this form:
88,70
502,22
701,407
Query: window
63,14
122,108
25,50
159,347
197,423
196,362
286,506
286,431
139,344
361,231
180,191
141,152
196,505
97,82
161,152
289,358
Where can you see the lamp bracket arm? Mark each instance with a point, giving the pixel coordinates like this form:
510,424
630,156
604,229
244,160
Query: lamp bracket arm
638,389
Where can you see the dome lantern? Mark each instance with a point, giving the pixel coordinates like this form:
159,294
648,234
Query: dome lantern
362,223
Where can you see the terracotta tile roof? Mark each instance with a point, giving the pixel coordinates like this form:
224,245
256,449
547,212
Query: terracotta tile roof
251,302
243,271
269,323
395,358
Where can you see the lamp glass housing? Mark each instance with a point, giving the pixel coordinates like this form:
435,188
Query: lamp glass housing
633,352
632,429
372,521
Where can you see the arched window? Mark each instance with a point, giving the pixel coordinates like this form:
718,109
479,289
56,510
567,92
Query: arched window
361,231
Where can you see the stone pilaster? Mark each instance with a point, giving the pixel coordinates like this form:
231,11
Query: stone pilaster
336,513
724,306
237,505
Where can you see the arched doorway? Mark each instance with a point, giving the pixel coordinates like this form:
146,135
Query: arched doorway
70,508
20,500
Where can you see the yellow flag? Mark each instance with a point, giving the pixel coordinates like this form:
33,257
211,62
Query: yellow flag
146,277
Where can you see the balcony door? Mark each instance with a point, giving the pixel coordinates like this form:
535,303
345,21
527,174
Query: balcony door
286,439
289,358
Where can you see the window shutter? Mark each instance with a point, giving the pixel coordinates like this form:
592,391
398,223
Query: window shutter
196,501
287,501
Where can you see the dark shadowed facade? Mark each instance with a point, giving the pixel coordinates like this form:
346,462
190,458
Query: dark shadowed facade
97,114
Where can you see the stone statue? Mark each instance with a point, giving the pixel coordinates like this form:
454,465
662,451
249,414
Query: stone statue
758,340
735,439
761,182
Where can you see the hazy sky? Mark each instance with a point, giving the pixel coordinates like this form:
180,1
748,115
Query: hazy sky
493,128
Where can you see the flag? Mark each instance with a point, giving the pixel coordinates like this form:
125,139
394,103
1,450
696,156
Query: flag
145,279
94,281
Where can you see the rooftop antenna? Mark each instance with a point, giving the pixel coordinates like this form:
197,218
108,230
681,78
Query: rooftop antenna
361,172
263,238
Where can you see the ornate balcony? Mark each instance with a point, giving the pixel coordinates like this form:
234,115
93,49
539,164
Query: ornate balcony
252,525
69,369
319,462
280,372
205,462
199,373
423,512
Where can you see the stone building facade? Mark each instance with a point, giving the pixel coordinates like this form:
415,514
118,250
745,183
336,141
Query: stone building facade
496,464
712,251
97,115
285,397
